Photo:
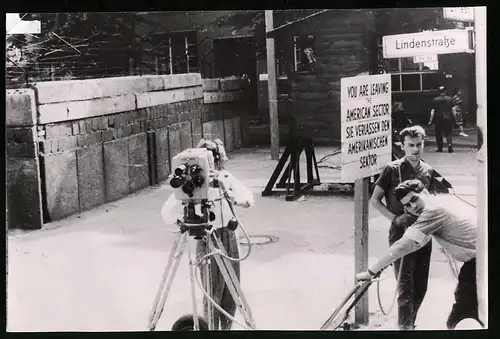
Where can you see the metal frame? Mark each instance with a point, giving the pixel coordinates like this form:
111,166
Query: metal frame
340,314
214,245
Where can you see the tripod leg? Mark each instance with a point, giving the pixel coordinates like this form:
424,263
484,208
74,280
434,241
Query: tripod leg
211,314
233,285
297,185
166,282
192,273
315,164
281,163
309,161
291,170
284,177
230,243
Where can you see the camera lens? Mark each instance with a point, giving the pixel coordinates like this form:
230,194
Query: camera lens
176,182
180,170
198,180
195,170
188,188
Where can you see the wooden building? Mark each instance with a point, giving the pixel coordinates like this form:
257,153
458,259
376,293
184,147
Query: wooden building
198,41
315,52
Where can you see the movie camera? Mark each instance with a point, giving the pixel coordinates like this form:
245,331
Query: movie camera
195,173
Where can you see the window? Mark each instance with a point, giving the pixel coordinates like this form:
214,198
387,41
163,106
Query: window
304,57
191,52
282,63
173,53
411,76
408,75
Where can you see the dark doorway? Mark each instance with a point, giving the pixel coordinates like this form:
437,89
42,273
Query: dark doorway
237,56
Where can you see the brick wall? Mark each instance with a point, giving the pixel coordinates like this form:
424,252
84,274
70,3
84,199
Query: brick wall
95,141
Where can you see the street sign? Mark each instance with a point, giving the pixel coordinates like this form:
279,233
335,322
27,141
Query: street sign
433,66
459,13
425,58
366,126
15,25
424,43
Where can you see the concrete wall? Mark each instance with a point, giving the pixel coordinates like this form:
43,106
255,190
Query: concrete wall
23,184
75,145
225,111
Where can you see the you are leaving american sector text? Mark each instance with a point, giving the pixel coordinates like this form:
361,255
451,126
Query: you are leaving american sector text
367,112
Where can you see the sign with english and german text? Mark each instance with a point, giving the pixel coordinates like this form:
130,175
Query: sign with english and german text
366,135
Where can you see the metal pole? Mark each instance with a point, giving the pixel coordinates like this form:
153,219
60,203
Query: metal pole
482,166
273,89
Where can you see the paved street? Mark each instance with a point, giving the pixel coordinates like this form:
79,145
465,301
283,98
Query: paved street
99,271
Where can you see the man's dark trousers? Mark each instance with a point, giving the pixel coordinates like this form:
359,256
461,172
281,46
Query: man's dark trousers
445,128
412,285
466,305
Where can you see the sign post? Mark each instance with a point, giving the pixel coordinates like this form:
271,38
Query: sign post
273,89
482,167
366,148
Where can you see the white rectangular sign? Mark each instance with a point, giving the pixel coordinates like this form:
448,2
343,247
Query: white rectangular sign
459,13
424,43
15,25
366,136
433,66
425,58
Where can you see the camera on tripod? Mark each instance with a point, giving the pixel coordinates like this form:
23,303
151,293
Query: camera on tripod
191,176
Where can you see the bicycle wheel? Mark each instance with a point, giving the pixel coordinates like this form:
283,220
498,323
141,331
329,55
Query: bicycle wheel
220,293
186,323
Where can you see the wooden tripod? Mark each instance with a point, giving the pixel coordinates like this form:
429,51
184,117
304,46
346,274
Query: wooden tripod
293,151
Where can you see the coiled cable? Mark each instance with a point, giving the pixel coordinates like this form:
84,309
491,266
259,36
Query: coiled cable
219,252
386,312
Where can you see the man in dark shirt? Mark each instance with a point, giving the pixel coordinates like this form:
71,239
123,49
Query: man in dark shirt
412,284
442,115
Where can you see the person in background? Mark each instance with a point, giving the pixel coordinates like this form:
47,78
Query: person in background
459,110
453,227
412,284
443,118
399,119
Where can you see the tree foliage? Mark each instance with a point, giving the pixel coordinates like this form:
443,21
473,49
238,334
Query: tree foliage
73,43
408,20
100,42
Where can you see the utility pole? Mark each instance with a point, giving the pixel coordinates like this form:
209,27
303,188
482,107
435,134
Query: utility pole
273,89
482,166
